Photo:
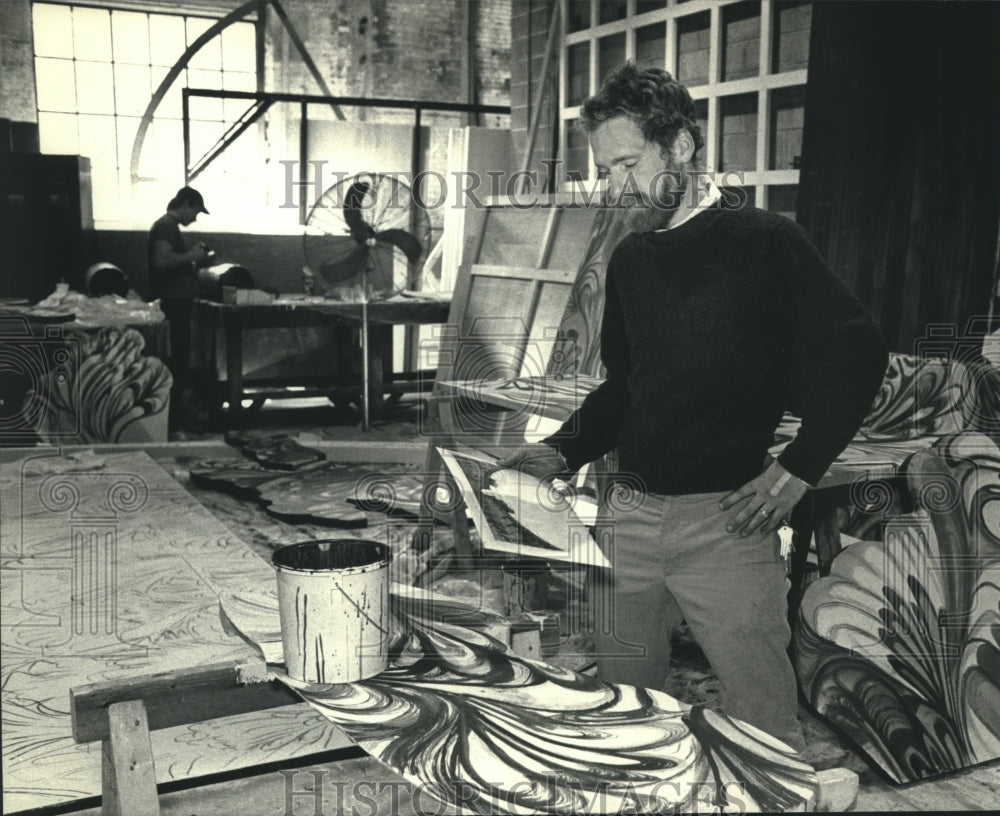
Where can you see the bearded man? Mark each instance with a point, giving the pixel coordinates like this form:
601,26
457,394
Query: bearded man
717,320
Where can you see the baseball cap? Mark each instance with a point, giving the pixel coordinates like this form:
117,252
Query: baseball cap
189,195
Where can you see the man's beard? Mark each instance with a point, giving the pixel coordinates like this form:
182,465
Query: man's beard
646,213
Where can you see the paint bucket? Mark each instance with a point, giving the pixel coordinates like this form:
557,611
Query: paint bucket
333,599
548,631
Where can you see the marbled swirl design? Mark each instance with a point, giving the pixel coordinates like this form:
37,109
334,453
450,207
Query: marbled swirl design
987,384
900,645
101,386
577,350
486,731
920,397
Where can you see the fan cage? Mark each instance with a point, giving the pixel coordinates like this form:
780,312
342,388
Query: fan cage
338,262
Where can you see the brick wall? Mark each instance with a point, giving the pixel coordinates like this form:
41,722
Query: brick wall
429,50
529,35
17,68
403,49
433,50
490,21
440,50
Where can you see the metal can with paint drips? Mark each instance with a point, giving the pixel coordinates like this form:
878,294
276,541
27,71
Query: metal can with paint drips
333,600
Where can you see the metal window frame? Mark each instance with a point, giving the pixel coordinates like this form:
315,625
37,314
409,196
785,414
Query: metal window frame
262,101
252,12
761,178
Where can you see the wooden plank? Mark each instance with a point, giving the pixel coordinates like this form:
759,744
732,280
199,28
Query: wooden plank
712,136
764,100
751,85
476,220
837,790
128,786
524,272
973,789
551,228
456,318
670,47
175,698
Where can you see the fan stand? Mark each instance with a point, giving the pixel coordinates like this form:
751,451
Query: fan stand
367,237
369,266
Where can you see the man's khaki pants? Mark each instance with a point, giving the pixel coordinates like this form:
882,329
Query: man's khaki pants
673,560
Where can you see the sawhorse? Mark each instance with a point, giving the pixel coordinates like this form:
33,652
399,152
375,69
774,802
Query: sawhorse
121,713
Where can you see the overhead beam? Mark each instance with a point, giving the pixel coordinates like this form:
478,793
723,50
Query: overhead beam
249,116
238,14
347,101
306,58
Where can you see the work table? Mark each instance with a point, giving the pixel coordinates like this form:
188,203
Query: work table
297,311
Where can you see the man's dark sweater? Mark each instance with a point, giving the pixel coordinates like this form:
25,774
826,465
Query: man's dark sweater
711,331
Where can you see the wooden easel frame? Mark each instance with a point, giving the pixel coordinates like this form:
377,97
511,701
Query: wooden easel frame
442,408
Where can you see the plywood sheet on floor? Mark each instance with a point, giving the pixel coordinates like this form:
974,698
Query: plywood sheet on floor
108,574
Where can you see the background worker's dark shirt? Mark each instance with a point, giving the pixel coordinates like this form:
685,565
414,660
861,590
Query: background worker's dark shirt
711,331
169,282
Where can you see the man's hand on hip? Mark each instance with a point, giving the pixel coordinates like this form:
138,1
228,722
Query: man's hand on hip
536,459
765,502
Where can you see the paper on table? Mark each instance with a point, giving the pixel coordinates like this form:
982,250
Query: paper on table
517,513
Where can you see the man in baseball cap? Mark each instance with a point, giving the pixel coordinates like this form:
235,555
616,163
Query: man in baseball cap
173,278
190,196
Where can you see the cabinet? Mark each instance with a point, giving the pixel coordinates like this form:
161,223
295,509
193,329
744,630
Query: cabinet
46,223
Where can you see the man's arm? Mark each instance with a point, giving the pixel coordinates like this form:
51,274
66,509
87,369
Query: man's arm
843,357
593,428
842,360
166,257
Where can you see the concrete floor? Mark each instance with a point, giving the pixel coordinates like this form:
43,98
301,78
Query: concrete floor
351,786
363,786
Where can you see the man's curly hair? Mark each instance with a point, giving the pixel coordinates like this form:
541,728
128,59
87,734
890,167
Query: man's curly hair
651,98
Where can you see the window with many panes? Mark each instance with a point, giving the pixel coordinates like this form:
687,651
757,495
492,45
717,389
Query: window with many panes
744,62
96,70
